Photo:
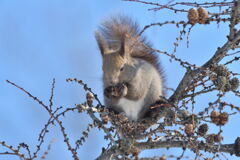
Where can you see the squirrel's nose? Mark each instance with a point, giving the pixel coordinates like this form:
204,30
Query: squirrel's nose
113,81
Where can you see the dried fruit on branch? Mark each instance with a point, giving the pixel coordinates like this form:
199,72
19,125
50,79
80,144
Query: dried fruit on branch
203,15
90,98
234,83
189,129
193,16
202,130
215,117
221,82
219,119
227,87
214,138
222,70
104,118
218,138
210,138
223,118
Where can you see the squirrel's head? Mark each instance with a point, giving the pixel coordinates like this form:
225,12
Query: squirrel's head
117,63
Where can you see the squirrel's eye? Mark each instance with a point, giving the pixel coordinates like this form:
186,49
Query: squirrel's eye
121,69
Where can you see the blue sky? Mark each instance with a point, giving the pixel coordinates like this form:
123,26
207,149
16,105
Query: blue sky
41,40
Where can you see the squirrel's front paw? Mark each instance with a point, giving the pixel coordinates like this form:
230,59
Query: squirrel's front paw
122,89
109,92
118,91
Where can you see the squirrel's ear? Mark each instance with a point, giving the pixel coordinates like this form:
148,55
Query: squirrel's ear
124,48
101,43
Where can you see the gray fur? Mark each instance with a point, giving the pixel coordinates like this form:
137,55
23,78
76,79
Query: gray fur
141,72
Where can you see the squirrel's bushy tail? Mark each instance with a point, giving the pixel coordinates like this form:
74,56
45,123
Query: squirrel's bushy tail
118,26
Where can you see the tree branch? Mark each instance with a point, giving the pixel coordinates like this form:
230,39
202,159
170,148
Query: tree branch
190,74
227,148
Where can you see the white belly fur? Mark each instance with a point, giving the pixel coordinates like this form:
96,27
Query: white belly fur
131,108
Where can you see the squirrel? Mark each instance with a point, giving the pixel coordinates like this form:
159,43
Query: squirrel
132,76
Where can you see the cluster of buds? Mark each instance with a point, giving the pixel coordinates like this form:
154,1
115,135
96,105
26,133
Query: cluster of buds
221,70
219,119
189,129
222,80
199,15
90,98
125,127
104,117
202,130
214,138
234,82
